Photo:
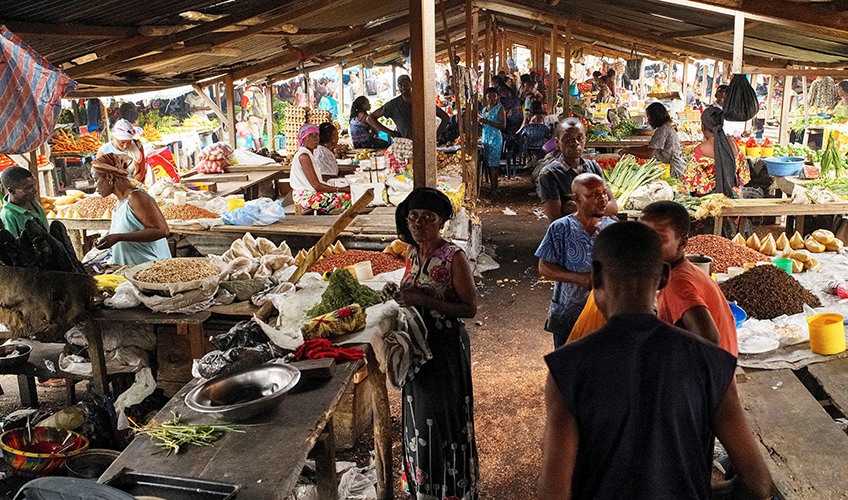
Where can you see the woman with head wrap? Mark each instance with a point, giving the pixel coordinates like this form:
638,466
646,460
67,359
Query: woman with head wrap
308,188
439,449
139,231
124,143
716,165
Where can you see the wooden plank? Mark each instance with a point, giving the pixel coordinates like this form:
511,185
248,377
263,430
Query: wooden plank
209,102
833,377
422,28
285,434
804,448
738,41
810,72
552,71
148,317
231,110
784,110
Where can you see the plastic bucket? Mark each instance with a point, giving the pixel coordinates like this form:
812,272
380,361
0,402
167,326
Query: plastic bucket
827,333
739,315
785,264
702,261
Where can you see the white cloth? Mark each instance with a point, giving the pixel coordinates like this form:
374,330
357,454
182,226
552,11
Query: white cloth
297,178
402,352
326,161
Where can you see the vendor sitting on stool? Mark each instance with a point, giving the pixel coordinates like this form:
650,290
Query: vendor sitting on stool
325,156
308,189
139,231
22,202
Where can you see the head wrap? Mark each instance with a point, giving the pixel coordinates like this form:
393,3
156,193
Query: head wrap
421,199
124,130
305,130
712,119
117,165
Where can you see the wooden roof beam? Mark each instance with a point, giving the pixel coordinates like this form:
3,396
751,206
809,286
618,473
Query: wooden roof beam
101,64
546,15
802,16
721,30
69,30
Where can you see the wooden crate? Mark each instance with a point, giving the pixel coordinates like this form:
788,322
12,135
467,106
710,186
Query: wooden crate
354,413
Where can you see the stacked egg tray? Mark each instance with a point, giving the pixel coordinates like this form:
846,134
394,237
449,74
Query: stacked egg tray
295,118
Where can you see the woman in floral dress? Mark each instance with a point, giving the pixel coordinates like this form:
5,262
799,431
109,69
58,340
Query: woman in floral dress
493,121
308,188
716,165
439,449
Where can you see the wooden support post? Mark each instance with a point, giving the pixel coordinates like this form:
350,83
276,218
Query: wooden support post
784,110
684,82
341,88
33,168
806,112
269,114
552,71
668,78
231,109
422,29
91,330
469,169
361,80
643,83
566,73
307,87
738,41
487,54
327,482
504,54
769,98
458,98
382,426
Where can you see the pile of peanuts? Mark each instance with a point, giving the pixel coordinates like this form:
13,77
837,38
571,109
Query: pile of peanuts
724,252
380,262
177,271
90,207
187,212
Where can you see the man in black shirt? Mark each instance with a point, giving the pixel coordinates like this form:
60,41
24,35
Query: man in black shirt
632,408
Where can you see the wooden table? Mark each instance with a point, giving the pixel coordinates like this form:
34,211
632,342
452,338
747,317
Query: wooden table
805,450
248,182
379,225
190,325
776,207
267,459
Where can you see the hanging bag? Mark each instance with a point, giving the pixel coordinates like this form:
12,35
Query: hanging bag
740,103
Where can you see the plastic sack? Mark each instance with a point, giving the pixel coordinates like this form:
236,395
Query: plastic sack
217,363
244,334
189,302
740,103
125,297
649,193
260,214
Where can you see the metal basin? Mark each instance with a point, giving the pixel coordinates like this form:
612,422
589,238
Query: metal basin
243,393
14,354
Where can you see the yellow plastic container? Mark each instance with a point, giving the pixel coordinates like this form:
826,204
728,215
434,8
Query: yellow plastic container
234,203
827,333
753,152
766,152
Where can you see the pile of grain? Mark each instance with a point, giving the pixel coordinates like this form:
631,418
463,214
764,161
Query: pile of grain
187,212
724,252
90,207
766,292
380,262
177,271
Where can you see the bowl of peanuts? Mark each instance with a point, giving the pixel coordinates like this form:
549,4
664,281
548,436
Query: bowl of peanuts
172,276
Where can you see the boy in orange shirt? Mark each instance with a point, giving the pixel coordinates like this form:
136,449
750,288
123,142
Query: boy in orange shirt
691,300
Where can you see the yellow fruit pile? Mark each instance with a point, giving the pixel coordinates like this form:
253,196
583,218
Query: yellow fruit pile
64,142
151,134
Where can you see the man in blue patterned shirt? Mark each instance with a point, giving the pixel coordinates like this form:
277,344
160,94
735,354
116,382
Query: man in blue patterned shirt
565,254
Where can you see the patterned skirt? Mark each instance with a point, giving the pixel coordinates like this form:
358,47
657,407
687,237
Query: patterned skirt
323,203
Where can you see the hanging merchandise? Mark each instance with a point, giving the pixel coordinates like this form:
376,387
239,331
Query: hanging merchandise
740,102
30,91
634,68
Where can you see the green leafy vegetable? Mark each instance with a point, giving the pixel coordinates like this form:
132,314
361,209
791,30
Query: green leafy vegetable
343,291
172,435
628,175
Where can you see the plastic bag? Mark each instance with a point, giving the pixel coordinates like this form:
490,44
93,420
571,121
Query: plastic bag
649,193
244,334
125,297
260,214
740,103
217,363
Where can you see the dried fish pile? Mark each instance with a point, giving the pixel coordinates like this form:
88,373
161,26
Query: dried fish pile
766,292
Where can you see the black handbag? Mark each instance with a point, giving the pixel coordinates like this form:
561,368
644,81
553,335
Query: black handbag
634,68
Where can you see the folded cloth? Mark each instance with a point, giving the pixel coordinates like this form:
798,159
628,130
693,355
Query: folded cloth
404,351
323,348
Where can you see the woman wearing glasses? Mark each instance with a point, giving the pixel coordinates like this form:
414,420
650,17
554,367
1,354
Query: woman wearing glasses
440,452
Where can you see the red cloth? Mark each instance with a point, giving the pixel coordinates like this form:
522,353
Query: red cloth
690,286
323,348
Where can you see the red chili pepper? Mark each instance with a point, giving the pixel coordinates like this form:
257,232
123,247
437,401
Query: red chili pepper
752,143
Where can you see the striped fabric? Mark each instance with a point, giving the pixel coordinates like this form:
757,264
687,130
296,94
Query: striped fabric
30,91
402,352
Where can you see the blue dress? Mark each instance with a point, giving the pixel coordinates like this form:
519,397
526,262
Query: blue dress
492,138
131,253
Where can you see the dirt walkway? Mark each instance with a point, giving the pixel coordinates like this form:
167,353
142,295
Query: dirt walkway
507,344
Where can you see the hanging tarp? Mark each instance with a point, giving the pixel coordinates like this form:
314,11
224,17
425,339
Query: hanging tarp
30,92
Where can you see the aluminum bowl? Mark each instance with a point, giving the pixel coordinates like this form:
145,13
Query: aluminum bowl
244,393
14,354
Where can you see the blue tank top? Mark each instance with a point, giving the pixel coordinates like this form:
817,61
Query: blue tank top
131,253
